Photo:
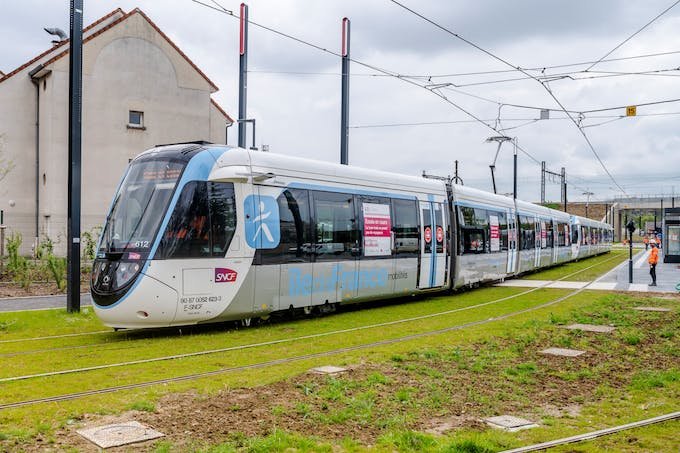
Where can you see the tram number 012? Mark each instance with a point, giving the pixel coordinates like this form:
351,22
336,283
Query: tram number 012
141,244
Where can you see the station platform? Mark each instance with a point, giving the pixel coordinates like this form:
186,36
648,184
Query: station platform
667,277
667,274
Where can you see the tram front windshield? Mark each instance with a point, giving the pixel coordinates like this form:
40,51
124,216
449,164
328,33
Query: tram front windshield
139,206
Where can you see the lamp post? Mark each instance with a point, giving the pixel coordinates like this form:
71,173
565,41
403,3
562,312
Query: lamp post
631,228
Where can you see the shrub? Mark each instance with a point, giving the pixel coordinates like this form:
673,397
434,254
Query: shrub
57,267
90,239
18,266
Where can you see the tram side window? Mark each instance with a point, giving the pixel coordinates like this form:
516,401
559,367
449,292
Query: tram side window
295,245
585,235
405,228
560,234
550,238
335,231
496,231
528,233
190,232
473,230
222,216
574,234
376,218
503,226
438,225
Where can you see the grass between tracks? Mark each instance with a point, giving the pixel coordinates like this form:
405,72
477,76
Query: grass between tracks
393,395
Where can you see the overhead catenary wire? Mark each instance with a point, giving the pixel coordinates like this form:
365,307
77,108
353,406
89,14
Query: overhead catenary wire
394,74
481,49
633,35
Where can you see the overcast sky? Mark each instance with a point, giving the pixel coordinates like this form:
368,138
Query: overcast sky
294,90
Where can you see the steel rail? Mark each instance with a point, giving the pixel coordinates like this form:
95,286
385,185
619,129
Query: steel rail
286,360
595,434
272,342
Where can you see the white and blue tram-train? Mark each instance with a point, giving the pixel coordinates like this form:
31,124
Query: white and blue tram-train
205,233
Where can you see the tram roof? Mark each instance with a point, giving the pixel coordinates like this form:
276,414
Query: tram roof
315,170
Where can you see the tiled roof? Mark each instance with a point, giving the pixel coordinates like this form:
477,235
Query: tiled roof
58,45
99,32
226,115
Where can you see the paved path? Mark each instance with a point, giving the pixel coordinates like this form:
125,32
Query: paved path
667,276
39,302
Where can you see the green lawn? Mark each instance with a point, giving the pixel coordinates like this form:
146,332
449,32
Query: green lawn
584,270
394,394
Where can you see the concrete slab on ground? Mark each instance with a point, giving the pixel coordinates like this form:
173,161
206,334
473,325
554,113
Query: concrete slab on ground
591,328
510,423
119,434
563,352
328,369
659,309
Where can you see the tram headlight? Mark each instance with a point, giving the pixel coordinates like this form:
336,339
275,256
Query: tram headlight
124,273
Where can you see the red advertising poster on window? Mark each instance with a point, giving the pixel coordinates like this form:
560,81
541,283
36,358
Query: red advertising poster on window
494,233
377,229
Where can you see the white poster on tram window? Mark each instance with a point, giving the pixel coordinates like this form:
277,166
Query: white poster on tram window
377,229
494,233
544,236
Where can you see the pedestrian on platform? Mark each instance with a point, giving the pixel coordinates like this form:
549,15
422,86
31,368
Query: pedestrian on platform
653,260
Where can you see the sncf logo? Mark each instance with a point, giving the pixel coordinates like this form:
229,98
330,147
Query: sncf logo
224,275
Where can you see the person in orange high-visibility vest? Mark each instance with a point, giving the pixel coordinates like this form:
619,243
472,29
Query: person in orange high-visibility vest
646,241
653,260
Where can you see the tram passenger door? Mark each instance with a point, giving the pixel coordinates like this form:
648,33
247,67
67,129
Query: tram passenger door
512,241
432,246
539,236
439,244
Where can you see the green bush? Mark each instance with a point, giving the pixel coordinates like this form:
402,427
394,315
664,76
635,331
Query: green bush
18,267
57,267
90,239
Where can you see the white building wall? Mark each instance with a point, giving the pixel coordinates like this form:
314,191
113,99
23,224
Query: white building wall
130,66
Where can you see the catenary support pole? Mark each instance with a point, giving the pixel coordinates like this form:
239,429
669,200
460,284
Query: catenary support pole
344,109
74,155
514,166
542,182
242,75
564,182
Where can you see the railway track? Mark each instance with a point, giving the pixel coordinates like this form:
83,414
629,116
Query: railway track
292,359
94,345
595,434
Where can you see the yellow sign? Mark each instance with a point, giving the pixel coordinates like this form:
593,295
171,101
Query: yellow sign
631,110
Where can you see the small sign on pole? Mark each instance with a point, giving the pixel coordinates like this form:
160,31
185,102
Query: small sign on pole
631,110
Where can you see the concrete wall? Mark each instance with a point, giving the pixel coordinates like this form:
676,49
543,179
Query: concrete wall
130,66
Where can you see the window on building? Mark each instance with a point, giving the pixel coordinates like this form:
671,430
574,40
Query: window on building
136,119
